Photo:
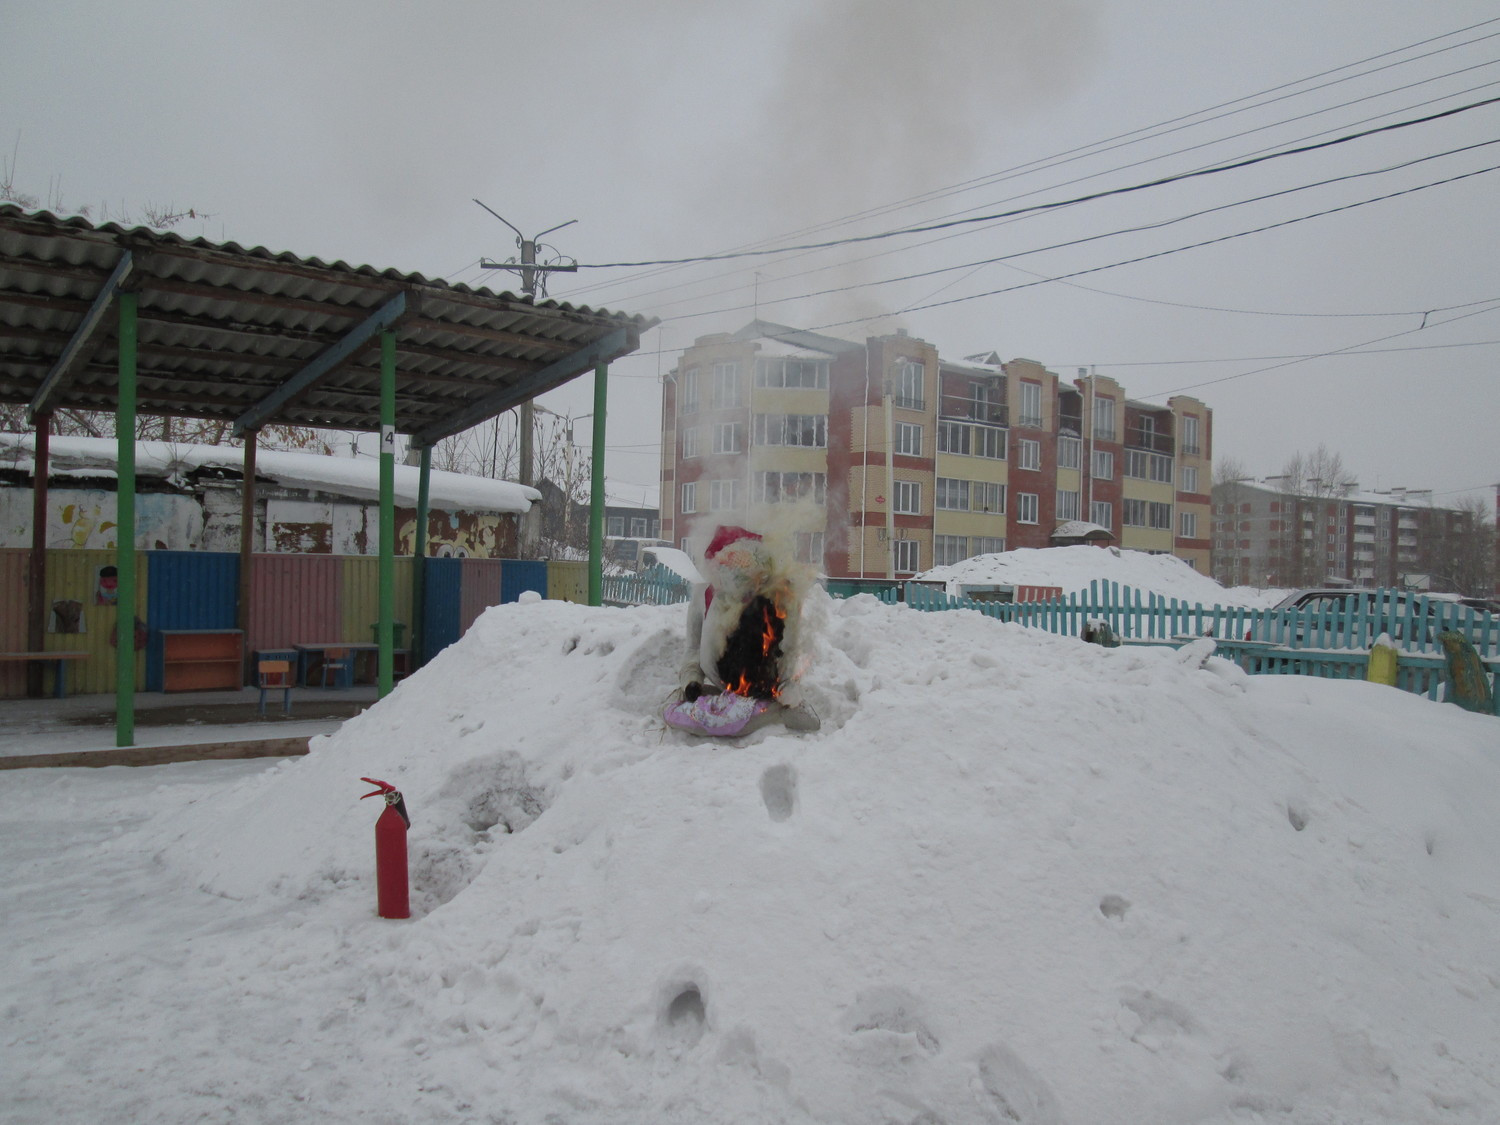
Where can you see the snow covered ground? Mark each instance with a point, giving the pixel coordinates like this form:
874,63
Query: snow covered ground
1014,878
1073,568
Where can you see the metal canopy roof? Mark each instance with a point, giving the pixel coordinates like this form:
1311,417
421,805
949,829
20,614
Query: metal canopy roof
256,337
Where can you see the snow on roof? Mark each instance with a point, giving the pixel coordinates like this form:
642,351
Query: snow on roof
343,476
1397,497
1073,568
1078,529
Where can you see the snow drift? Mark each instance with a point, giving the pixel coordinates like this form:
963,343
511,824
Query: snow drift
1073,568
1014,878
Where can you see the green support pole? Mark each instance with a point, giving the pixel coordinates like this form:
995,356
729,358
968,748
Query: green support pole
125,530
419,563
596,490
385,632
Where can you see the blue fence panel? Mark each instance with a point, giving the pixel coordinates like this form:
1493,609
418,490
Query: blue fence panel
442,602
518,575
188,590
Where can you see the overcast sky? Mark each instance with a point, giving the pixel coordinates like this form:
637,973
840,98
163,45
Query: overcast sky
681,128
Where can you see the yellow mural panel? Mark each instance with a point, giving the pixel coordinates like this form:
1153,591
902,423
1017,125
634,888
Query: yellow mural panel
74,595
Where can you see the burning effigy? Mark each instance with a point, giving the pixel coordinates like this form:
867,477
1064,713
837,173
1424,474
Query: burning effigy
744,657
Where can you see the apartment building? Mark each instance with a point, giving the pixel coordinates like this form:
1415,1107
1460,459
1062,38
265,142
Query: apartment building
884,459
1265,535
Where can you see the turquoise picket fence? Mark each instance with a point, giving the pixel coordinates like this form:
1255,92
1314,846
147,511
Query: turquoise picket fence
642,589
1333,644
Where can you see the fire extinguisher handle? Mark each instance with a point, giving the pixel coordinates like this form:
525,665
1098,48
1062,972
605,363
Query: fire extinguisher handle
392,795
385,787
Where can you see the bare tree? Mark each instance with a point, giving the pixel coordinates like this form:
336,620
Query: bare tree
1461,553
1319,473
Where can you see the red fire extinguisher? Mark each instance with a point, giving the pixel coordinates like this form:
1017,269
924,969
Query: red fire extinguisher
393,898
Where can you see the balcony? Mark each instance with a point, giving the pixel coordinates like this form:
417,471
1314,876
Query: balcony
952,408
1073,422
1153,440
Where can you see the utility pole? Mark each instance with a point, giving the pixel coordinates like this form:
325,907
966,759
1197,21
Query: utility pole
533,281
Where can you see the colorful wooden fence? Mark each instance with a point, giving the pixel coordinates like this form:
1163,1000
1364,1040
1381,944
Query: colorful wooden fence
295,599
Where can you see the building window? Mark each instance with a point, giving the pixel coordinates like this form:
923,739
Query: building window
726,388
908,498
949,549
614,527
790,372
1069,452
909,439
1137,464
952,495
1160,516
1031,405
1190,435
988,497
908,556
1030,454
1189,479
1134,513
1161,469
1067,504
638,527
1188,524
1102,464
727,437
953,437
909,381
1026,507
807,430
688,402
985,545
778,488
690,497
1102,512
690,442
989,442
809,547
1104,418
723,495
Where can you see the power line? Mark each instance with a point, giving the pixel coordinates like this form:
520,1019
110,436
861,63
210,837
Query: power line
1159,182
973,265
1166,253
1151,131
1301,355
1320,355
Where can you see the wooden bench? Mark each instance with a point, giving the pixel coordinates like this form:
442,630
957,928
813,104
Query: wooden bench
58,660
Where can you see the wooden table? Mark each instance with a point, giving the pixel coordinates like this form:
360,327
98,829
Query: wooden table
58,660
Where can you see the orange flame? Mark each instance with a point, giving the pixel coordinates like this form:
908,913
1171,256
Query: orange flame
774,618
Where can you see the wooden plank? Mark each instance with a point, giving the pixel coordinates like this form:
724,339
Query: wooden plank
163,755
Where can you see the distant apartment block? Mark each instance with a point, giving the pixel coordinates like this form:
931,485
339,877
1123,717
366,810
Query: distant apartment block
904,460
1267,536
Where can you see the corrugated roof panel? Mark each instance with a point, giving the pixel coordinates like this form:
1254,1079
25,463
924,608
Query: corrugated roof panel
220,324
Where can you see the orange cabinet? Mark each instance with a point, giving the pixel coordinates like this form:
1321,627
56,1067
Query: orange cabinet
202,659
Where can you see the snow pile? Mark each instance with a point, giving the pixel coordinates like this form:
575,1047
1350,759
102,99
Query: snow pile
1073,568
1014,878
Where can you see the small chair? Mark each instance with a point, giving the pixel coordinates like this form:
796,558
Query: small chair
339,663
275,675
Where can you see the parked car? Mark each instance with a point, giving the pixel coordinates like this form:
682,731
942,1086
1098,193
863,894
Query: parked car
1319,618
